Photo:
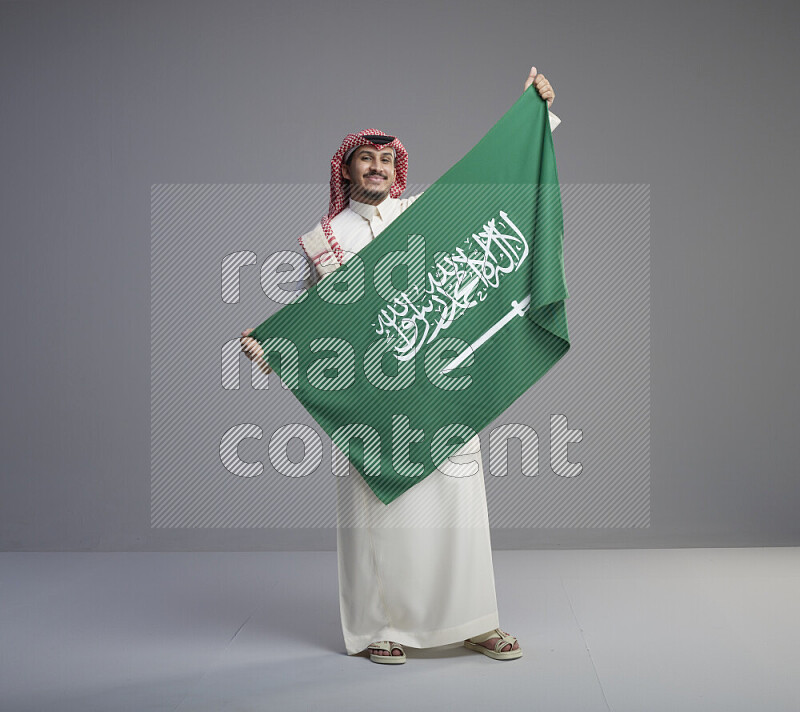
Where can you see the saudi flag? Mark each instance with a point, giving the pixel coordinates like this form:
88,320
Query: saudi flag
432,330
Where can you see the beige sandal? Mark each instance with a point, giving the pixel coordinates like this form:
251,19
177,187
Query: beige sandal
497,653
391,659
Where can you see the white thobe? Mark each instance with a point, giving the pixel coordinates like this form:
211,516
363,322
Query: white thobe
417,571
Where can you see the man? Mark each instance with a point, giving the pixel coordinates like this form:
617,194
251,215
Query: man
418,571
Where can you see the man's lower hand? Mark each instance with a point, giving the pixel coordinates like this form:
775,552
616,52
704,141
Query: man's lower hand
252,349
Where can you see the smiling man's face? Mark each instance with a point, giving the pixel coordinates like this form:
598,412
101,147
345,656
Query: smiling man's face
371,174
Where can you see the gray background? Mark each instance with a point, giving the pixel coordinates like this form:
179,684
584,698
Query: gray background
102,100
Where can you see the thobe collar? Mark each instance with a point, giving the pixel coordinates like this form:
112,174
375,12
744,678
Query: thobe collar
370,211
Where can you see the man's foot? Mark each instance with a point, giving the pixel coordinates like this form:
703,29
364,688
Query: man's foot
495,644
386,649
489,644
380,651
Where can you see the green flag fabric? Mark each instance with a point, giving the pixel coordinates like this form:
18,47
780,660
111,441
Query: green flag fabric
437,326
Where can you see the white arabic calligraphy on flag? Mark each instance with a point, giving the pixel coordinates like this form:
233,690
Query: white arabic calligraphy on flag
449,293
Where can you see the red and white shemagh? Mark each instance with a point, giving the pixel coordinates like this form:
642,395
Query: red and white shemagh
339,196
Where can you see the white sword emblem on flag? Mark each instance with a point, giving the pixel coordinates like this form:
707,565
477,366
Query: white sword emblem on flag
517,309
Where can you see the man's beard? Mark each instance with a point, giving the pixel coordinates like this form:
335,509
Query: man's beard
374,194
362,194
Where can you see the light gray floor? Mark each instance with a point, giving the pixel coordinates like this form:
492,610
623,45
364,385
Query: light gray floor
685,629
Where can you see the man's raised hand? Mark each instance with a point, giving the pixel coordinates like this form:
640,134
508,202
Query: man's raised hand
252,349
542,86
